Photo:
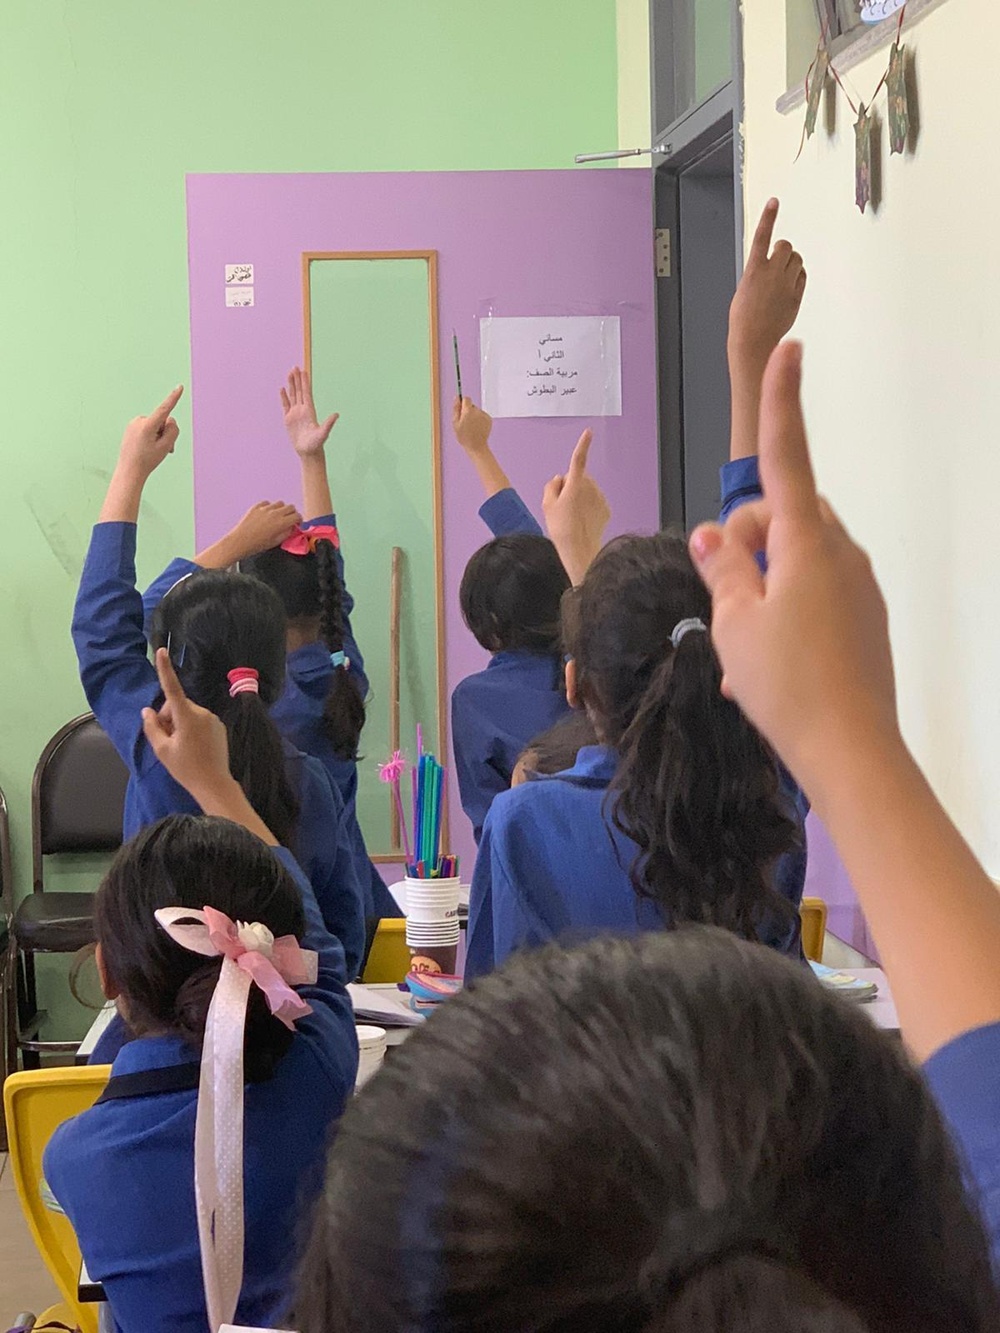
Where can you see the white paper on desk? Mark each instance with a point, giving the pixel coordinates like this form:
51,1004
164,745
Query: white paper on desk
387,1008
568,366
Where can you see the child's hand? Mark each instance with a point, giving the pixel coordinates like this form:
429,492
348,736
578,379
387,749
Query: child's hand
805,648
264,526
770,293
472,426
147,440
308,436
576,513
189,741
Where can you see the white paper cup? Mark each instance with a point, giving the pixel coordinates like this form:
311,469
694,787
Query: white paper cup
432,900
371,1048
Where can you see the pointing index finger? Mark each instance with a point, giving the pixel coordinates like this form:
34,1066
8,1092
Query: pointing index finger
785,467
761,244
578,463
167,406
173,691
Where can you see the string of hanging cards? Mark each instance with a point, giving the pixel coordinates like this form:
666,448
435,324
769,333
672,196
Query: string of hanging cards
894,80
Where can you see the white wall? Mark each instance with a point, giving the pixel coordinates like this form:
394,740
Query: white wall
634,114
902,331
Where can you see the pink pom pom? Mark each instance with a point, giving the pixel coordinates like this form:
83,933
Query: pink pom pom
394,768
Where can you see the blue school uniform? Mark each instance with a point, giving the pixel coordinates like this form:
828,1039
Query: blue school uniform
964,1077
496,713
552,865
119,681
123,1171
298,715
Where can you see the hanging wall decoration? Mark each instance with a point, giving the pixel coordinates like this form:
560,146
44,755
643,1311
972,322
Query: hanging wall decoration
866,123
899,100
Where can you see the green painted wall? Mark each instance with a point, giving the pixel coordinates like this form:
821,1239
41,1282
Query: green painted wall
371,356
104,106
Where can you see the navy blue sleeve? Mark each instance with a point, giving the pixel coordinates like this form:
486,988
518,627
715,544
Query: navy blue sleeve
177,569
500,919
327,858
351,648
118,678
479,781
740,485
506,514
479,958
964,1077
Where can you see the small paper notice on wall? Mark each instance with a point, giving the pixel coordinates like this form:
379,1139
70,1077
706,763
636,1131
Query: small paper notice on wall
239,296
238,273
567,366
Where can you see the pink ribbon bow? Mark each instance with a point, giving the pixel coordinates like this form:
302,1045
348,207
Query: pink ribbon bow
250,956
302,541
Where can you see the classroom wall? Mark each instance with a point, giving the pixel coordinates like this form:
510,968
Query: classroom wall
902,333
104,107
634,112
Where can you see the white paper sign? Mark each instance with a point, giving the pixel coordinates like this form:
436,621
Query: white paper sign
238,273
239,296
569,366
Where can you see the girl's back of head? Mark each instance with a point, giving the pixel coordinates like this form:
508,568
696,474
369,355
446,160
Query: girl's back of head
312,594
215,623
678,1132
697,789
191,861
511,593
555,750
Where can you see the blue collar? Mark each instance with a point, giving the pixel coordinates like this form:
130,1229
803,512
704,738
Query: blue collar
153,1053
595,766
541,664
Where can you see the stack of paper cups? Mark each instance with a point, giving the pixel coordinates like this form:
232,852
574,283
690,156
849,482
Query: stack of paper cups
432,913
371,1053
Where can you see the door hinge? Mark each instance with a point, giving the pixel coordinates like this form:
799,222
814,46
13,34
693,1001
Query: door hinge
663,256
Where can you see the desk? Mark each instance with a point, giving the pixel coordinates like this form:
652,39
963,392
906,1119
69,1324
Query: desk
882,1009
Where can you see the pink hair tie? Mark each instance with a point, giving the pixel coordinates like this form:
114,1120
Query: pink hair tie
243,680
302,541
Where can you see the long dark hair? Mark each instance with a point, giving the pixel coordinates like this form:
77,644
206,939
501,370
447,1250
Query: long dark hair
697,788
674,1131
212,623
191,861
510,594
310,588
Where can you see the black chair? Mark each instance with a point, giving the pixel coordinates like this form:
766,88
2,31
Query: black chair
8,959
77,804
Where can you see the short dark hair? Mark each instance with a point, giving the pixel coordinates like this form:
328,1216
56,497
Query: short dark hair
652,1133
191,861
511,593
556,750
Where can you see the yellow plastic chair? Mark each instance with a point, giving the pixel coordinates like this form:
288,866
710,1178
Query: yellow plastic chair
37,1102
813,914
389,958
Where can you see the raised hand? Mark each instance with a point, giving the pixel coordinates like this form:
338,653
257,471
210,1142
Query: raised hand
189,741
148,440
576,512
805,649
265,525
769,295
307,434
472,426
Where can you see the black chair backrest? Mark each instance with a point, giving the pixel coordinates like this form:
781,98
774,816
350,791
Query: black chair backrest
6,866
77,795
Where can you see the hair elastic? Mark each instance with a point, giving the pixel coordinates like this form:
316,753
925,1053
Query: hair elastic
243,680
251,956
338,659
303,541
691,625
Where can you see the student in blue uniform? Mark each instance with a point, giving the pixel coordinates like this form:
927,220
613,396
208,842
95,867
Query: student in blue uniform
510,597
123,1171
680,813
226,635
681,1131
321,710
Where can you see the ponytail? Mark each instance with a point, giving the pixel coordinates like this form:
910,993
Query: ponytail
696,789
212,624
344,711
257,762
